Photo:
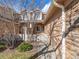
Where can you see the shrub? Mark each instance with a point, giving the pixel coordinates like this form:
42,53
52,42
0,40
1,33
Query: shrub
11,40
1,43
2,47
24,47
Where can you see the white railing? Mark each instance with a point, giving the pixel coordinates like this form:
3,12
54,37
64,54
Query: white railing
32,17
37,37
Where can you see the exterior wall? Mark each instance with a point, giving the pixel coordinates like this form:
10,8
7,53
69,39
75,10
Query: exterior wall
73,36
6,12
56,34
5,26
8,28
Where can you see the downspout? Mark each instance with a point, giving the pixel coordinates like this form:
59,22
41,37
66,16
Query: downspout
63,50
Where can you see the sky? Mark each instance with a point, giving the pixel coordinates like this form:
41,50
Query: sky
46,7
18,5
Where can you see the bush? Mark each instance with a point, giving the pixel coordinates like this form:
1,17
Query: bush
1,43
24,47
11,40
2,47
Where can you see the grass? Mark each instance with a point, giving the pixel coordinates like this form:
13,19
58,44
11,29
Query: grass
14,55
24,47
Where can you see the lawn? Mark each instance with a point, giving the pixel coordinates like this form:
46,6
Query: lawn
13,54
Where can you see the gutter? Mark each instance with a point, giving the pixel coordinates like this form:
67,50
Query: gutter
63,46
54,9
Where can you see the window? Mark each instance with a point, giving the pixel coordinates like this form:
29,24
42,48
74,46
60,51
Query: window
39,29
25,16
38,16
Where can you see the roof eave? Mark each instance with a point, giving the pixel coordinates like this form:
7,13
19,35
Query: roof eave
52,9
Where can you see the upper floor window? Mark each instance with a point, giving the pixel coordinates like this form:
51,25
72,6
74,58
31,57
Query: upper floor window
38,16
25,16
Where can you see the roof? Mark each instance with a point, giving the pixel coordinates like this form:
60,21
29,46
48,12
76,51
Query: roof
53,9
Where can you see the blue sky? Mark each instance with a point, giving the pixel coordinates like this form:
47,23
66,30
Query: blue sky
17,5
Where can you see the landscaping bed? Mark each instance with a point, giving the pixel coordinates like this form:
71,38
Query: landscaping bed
24,47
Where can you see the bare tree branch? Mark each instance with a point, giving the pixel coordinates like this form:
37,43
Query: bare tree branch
68,30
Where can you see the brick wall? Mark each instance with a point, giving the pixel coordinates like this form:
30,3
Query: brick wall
6,27
72,39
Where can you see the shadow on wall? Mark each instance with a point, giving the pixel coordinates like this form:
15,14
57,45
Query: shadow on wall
73,26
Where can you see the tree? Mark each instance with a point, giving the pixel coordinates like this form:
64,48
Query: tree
68,30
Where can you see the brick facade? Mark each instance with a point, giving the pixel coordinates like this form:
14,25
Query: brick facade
72,45
6,26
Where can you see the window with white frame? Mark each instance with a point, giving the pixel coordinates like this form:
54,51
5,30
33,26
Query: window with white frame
38,16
